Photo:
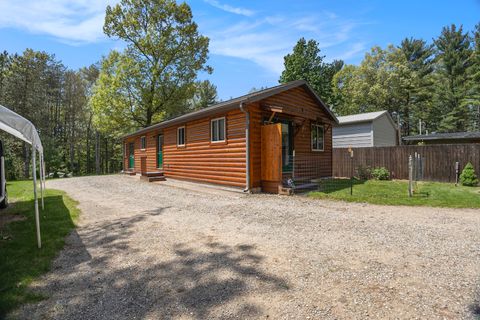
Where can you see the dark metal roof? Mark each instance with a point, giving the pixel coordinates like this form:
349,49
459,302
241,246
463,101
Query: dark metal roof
441,136
234,103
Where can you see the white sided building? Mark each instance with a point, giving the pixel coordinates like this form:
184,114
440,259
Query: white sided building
372,129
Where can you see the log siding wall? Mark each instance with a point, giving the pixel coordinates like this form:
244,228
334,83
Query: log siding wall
206,161
200,159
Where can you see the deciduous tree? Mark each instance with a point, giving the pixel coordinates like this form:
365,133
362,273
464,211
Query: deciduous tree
156,73
306,63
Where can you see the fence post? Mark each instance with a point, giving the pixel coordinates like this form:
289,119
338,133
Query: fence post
457,165
410,175
352,173
415,169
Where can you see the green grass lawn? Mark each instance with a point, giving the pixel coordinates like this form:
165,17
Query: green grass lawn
434,194
20,259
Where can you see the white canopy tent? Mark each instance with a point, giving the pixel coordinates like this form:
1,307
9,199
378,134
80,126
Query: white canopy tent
23,129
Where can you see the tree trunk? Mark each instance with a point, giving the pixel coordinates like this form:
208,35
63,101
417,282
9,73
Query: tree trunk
72,141
106,155
97,152
88,166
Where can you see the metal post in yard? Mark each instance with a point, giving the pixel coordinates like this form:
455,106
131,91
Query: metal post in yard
351,174
37,215
457,165
293,166
410,175
415,168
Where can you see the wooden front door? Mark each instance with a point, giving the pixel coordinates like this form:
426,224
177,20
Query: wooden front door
160,151
271,157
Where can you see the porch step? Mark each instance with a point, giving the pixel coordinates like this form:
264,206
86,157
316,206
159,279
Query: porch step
130,173
153,174
159,178
306,187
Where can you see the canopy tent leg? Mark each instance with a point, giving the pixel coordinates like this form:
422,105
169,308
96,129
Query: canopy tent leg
41,180
44,176
37,217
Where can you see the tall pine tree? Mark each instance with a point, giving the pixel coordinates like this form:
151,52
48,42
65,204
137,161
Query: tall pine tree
453,61
410,78
473,99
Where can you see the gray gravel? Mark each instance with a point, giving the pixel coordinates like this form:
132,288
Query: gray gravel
153,251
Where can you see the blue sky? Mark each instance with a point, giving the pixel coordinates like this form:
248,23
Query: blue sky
248,39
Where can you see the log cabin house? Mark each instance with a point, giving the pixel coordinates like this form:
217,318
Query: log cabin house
262,141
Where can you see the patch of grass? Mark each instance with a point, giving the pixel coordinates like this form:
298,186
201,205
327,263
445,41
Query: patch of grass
21,261
433,194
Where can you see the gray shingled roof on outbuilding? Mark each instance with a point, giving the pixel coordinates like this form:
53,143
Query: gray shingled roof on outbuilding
364,117
444,136
361,117
234,103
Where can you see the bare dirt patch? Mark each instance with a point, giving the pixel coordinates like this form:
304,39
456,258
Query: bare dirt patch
152,251
8,218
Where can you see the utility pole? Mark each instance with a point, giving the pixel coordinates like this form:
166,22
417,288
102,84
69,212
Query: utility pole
420,126
399,130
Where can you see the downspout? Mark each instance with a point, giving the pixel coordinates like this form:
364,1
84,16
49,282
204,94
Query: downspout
247,145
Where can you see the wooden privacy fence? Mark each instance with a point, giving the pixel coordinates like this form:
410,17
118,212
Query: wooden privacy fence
439,160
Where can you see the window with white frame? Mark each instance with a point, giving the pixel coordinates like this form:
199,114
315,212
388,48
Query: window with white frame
143,142
317,137
180,136
217,128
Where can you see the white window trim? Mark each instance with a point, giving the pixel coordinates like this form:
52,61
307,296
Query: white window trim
141,147
224,129
184,136
323,137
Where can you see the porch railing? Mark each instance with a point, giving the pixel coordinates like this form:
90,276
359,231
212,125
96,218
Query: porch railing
305,171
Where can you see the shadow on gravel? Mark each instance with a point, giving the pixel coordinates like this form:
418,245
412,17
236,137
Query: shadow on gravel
197,280
475,306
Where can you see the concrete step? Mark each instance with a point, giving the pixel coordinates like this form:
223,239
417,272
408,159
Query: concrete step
153,174
159,178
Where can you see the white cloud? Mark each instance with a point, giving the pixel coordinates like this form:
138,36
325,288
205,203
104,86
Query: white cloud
353,50
73,21
231,9
266,41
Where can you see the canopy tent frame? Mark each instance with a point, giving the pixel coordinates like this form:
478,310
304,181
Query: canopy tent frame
23,129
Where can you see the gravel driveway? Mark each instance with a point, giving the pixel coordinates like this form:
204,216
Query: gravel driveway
150,251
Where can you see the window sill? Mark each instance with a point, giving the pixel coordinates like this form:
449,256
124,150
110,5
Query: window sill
218,142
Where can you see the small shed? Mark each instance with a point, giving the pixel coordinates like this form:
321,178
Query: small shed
444,138
372,129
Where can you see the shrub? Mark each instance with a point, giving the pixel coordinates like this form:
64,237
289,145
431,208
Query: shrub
363,173
468,176
380,174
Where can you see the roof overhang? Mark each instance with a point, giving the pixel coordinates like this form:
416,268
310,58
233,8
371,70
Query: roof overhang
234,104
355,121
